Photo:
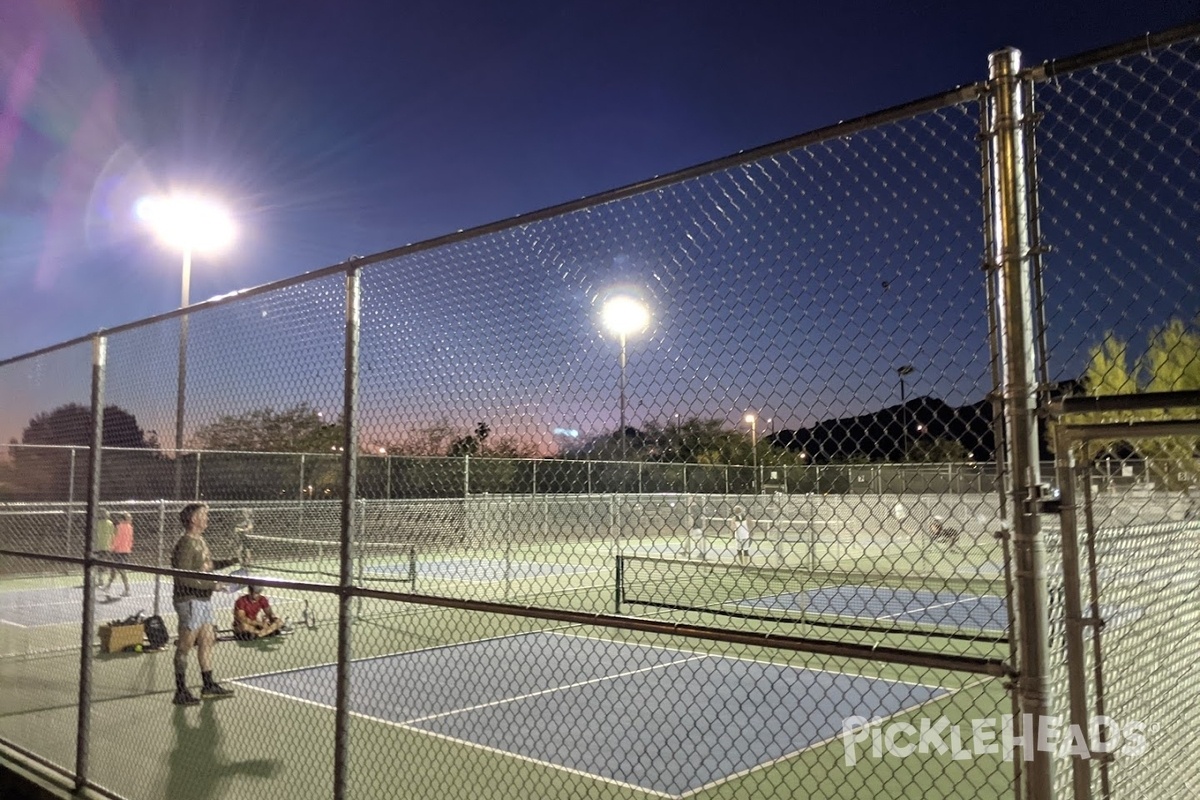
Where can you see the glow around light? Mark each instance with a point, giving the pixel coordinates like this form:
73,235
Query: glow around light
187,222
751,418
624,315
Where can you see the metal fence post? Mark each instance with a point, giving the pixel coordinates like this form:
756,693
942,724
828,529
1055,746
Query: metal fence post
86,656
341,735
1010,215
466,475
196,486
1073,606
70,499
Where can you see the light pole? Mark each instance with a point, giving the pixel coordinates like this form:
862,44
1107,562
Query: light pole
624,314
907,369
186,223
753,420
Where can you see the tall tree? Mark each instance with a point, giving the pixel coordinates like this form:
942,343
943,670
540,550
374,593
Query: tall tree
1171,362
298,429
46,473
71,424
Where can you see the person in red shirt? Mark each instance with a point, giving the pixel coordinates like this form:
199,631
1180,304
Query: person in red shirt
253,617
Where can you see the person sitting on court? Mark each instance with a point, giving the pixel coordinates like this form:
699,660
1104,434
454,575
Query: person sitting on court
253,617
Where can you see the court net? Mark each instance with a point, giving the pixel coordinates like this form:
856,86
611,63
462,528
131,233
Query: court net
943,606
320,559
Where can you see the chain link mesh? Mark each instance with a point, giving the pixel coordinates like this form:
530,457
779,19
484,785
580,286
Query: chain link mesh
752,545
1119,192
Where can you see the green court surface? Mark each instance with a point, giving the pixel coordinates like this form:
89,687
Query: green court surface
280,744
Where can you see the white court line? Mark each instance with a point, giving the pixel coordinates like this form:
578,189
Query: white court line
772,762
692,655
408,725
552,690
528,759
927,608
762,661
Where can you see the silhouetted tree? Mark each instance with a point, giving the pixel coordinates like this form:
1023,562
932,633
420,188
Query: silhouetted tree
42,461
298,429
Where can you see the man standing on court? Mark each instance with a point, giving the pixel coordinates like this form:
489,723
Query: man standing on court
193,604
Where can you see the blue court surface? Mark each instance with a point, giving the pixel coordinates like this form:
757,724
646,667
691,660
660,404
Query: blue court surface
891,605
648,718
886,605
476,570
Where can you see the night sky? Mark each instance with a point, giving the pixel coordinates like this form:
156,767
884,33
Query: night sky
333,129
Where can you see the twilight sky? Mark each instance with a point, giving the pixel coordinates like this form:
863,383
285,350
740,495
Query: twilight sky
333,129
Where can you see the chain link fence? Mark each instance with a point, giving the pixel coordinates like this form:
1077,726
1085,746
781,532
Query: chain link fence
770,536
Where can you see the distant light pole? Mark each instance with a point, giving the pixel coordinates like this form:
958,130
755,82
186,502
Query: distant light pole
907,369
753,420
187,223
624,314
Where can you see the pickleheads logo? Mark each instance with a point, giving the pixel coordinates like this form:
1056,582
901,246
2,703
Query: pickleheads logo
965,740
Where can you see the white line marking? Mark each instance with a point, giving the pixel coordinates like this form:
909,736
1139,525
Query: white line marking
948,694
928,608
552,690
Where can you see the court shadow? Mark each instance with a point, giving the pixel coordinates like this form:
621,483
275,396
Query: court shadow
197,766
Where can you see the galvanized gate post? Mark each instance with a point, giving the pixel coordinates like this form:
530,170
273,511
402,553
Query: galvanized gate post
1010,237
341,735
86,655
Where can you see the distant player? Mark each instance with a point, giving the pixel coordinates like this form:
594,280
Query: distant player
741,533
120,550
105,533
243,530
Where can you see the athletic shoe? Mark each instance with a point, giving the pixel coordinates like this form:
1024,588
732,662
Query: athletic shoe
185,698
215,692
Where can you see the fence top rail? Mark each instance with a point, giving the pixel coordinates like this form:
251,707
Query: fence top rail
951,97
1149,401
1142,44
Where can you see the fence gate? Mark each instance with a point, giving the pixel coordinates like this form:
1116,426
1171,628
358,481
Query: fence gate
1129,595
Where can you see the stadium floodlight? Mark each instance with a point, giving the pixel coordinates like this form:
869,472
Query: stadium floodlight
624,314
188,223
903,371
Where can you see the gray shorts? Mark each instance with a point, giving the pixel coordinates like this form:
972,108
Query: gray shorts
194,613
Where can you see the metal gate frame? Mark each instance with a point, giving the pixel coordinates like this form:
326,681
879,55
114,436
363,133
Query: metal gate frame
1087,694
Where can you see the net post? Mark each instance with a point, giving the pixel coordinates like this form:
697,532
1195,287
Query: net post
412,567
162,532
196,479
619,594
70,498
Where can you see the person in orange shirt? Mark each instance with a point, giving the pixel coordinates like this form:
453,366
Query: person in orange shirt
122,547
